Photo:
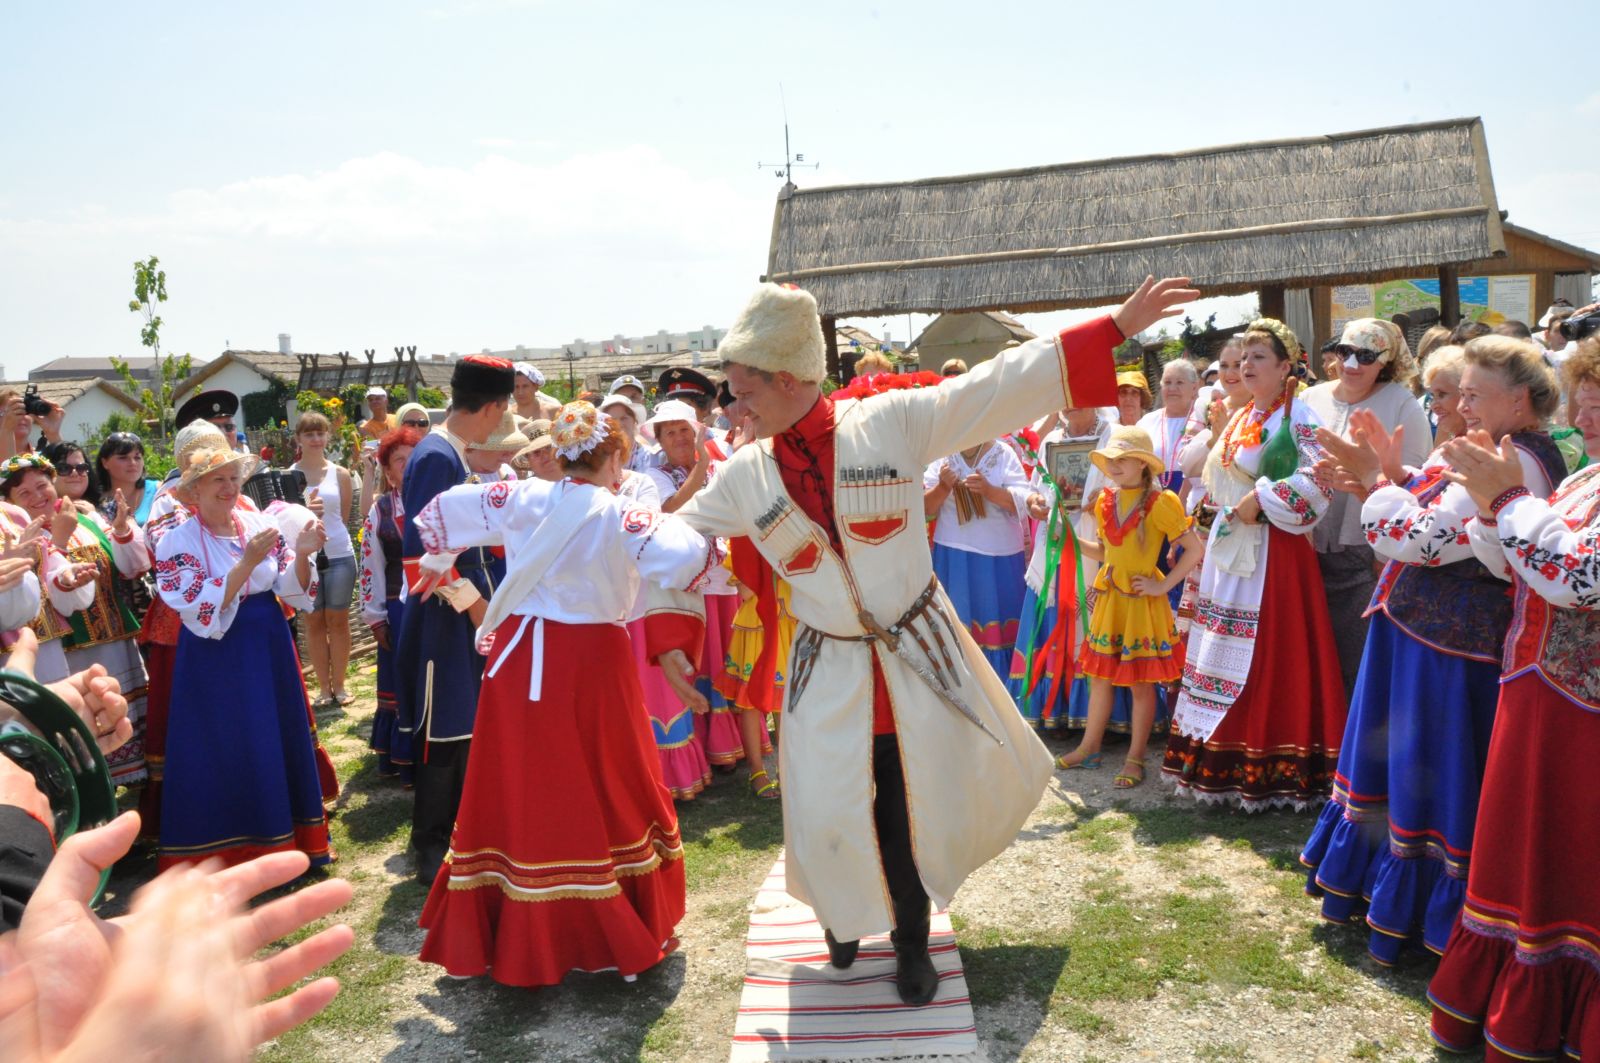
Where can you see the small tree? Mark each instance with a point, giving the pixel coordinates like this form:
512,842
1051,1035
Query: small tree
150,288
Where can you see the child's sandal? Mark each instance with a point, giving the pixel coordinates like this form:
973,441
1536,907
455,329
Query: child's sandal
1090,761
762,786
1127,780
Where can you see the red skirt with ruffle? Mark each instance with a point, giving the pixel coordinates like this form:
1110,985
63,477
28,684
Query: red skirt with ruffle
1522,970
565,855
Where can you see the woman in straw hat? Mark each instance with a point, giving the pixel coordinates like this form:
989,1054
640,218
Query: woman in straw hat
1262,709
563,803
241,771
101,628
1131,641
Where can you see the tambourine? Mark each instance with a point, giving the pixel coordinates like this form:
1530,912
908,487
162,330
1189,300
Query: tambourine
41,735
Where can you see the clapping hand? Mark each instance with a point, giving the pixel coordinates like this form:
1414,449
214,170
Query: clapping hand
314,502
310,539
12,569
93,694
1038,507
95,988
258,546
63,523
1485,471
76,575
27,540
122,518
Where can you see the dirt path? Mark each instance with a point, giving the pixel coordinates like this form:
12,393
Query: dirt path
1122,925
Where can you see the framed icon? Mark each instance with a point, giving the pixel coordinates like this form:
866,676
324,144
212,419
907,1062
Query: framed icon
1069,466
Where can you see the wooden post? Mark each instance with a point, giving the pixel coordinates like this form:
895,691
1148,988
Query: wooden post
830,345
1449,297
1272,301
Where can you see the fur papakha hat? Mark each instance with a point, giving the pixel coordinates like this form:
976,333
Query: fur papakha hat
778,332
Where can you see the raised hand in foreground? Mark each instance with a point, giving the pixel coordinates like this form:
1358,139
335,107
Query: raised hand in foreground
175,977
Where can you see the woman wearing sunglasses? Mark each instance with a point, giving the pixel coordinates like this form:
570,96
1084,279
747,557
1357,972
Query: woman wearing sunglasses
1376,374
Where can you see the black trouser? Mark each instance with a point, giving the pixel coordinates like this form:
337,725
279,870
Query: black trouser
439,776
894,843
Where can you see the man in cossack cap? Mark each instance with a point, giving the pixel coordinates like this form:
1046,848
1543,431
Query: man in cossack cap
905,764
439,667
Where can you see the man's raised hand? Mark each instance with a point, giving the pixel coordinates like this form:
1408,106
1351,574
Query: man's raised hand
1155,299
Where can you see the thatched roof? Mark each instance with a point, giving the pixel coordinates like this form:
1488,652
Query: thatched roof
1352,206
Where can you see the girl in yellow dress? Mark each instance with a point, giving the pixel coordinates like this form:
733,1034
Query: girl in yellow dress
1131,640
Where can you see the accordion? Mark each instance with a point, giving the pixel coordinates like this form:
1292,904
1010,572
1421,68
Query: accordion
276,485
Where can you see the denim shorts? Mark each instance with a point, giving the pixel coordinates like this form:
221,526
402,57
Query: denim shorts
338,584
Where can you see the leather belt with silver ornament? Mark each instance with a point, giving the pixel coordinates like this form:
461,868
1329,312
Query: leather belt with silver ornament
937,670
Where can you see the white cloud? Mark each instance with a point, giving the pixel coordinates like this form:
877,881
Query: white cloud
495,142
1590,105
387,249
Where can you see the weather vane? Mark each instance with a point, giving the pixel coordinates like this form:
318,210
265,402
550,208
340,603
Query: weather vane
790,160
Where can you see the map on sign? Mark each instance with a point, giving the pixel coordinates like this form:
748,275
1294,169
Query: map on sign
1490,300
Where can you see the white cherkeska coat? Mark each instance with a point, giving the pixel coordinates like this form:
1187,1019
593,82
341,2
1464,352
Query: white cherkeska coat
967,795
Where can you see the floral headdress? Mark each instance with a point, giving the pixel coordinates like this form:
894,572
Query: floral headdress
578,429
13,468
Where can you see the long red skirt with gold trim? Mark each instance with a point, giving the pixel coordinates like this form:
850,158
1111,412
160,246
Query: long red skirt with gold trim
566,855
1279,743
1522,970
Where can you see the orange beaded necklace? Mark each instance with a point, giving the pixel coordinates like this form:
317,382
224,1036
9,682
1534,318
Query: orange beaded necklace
1245,430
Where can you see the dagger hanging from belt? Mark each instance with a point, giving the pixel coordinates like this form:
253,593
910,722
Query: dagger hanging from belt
808,645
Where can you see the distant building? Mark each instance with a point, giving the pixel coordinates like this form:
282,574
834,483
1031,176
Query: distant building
243,373
72,368
973,338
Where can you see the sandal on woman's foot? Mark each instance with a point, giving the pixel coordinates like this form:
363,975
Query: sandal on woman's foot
762,786
1127,780
343,697
1090,760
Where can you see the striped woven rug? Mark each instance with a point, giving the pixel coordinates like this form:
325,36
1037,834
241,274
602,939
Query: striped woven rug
797,1007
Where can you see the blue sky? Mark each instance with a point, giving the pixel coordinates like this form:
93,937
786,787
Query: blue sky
482,174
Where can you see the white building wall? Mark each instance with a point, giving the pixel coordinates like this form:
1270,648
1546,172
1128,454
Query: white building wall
86,413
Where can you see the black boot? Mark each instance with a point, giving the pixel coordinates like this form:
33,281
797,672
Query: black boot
914,974
841,953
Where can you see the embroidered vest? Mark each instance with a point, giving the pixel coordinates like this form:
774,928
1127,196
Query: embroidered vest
389,536
1562,644
1461,608
106,619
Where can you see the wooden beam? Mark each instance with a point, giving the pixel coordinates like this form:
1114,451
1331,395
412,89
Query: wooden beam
1272,301
1449,297
830,345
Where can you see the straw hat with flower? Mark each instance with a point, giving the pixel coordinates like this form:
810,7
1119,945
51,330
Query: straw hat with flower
203,461
1128,441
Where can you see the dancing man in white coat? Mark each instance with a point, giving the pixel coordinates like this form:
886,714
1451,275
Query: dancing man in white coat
905,764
